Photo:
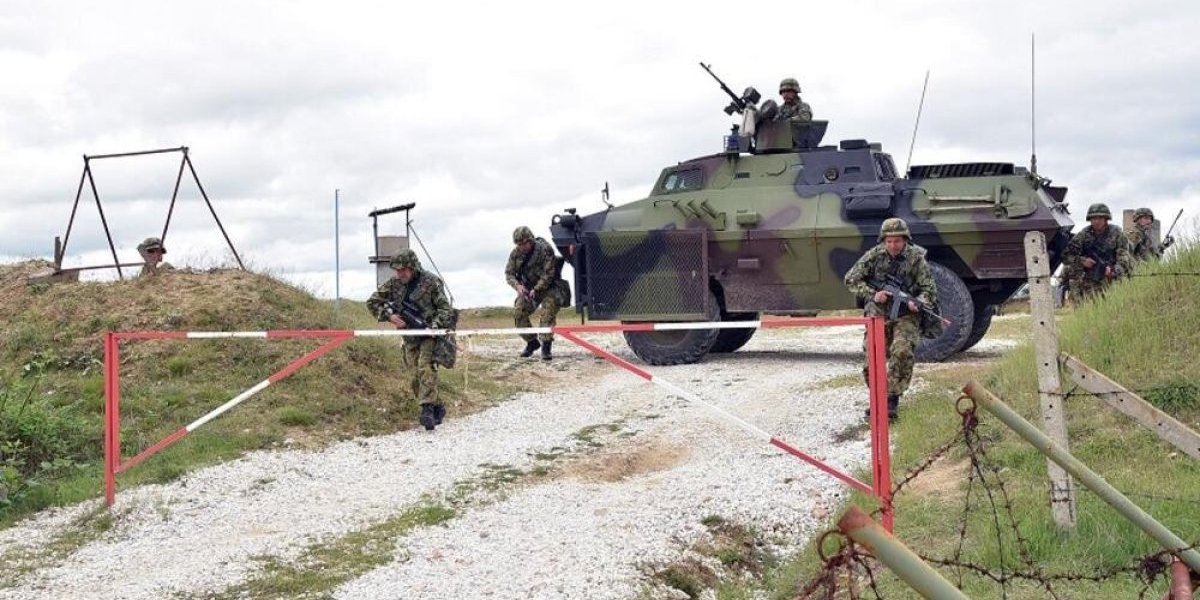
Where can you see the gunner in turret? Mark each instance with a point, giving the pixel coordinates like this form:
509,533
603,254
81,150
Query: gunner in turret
792,107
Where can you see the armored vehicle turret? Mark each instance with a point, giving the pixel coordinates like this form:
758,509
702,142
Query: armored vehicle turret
772,223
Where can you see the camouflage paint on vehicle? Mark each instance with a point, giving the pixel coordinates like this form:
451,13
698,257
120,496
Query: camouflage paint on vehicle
775,230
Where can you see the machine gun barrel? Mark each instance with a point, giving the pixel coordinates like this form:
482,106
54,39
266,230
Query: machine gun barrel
1173,224
738,104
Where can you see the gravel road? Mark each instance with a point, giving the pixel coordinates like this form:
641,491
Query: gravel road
591,529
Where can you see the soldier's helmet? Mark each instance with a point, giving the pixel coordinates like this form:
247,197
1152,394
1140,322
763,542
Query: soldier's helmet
894,226
522,234
151,243
405,258
1099,209
789,84
1143,212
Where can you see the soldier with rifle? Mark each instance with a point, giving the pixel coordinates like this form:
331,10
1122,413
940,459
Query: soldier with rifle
1141,243
534,272
416,299
1096,256
792,107
893,280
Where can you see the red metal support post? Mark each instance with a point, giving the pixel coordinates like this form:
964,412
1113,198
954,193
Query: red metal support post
881,478
110,410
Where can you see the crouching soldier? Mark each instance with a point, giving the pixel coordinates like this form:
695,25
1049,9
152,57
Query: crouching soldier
1141,240
416,299
1096,256
895,259
533,271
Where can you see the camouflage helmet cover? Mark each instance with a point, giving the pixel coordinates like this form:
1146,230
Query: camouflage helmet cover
151,243
789,83
1099,209
894,226
1143,212
522,234
405,259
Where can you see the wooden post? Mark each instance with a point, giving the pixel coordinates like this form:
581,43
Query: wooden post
1045,344
1133,406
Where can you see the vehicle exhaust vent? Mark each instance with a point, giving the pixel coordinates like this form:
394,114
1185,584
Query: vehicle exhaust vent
960,170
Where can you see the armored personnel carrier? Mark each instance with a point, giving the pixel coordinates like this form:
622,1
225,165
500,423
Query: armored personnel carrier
771,225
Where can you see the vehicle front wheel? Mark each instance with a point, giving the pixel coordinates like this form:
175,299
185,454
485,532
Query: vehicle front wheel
677,347
954,303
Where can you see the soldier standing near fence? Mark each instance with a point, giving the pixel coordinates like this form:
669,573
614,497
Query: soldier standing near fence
1096,256
898,259
533,271
1141,244
416,294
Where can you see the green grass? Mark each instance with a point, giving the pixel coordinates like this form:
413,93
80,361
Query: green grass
52,387
1140,335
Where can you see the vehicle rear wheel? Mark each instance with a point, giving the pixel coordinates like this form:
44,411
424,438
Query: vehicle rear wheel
979,328
679,347
729,340
955,303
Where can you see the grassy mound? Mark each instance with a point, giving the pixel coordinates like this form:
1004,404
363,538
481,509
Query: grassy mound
51,379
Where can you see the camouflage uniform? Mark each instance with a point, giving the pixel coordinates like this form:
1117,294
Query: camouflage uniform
798,110
1141,243
537,271
1110,245
152,267
903,332
429,295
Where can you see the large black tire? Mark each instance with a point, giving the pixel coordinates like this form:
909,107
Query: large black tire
954,303
979,328
676,347
729,340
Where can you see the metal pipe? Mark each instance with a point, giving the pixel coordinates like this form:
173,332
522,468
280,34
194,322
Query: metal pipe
902,561
70,222
337,248
1181,581
174,195
212,210
140,153
103,221
1084,475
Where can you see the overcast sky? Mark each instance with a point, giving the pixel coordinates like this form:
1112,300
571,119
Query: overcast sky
494,115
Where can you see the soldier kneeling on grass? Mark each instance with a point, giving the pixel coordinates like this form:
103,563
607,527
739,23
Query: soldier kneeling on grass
416,299
899,260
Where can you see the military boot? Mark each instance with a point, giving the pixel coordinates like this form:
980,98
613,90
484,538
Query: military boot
428,418
530,347
546,350
893,407
439,413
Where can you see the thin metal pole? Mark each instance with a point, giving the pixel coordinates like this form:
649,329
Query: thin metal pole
1084,475
920,107
71,221
902,561
1033,102
174,195
103,221
204,195
337,248
140,153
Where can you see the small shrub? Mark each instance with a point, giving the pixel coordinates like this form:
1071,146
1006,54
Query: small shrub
180,366
1174,395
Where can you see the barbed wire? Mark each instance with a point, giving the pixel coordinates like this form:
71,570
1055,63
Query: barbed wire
852,570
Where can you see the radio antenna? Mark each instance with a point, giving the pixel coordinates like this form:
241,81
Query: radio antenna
920,107
1033,103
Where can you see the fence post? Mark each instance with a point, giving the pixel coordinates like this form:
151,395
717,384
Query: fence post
1089,478
1045,344
921,577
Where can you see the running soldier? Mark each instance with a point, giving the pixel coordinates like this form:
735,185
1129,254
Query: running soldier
897,259
533,271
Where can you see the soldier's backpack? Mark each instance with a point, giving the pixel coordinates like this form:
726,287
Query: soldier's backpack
561,288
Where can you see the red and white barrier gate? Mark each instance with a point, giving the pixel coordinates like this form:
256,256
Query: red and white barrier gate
880,486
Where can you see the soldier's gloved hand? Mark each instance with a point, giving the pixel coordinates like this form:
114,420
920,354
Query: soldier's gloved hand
522,291
397,321
1167,241
1108,272
882,296
912,307
1088,262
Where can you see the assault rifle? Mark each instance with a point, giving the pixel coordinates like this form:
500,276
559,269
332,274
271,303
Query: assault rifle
900,298
407,311
1096,273
1167,239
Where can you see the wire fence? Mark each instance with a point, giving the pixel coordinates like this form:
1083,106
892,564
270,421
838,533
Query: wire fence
851,571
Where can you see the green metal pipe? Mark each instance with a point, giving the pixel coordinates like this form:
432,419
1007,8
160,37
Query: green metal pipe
1084,475
858,526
